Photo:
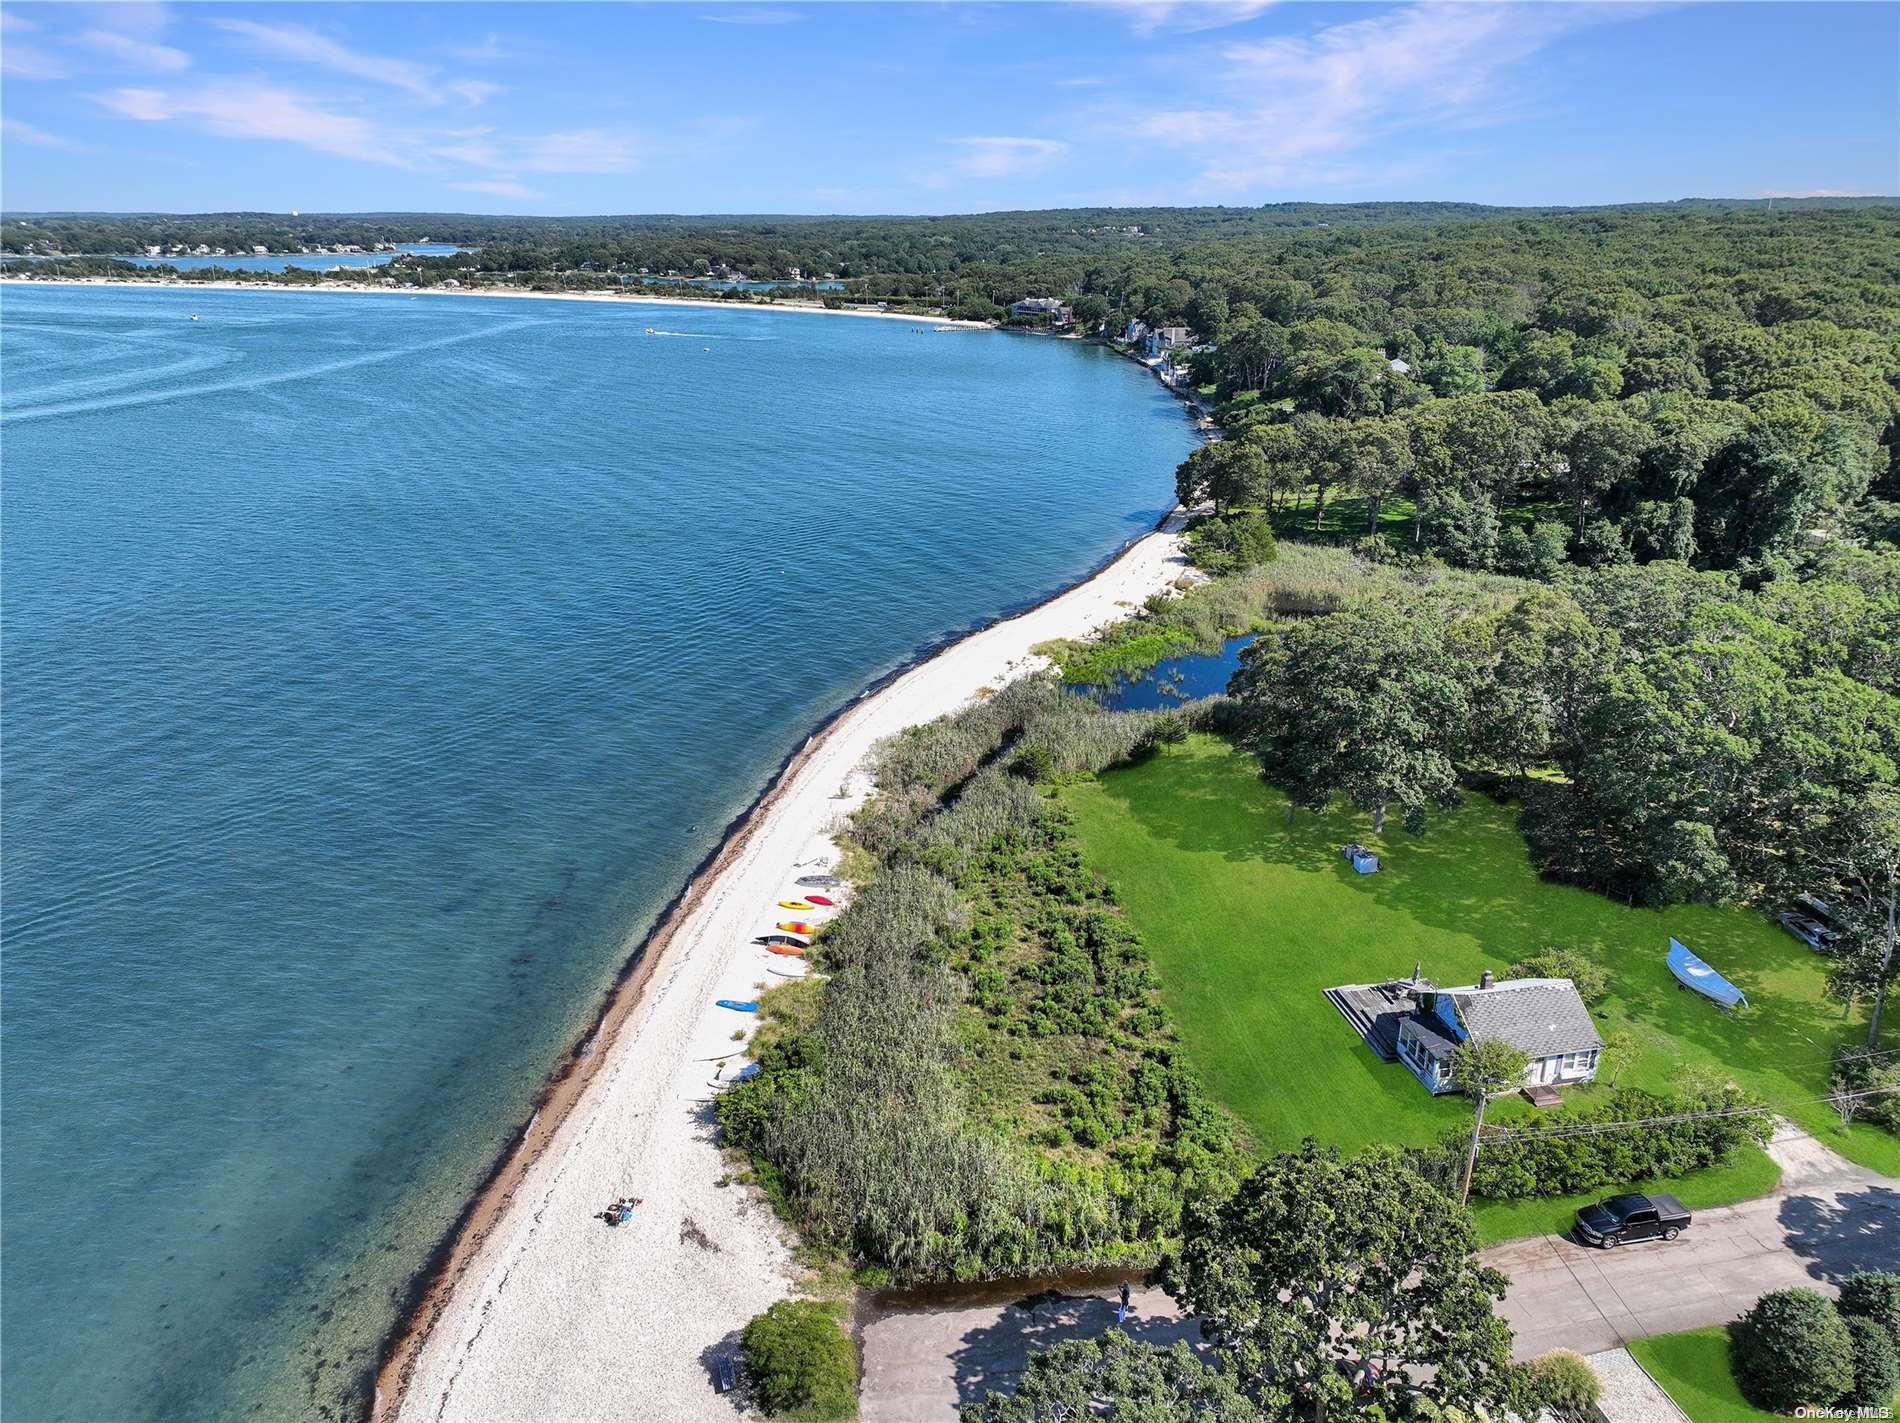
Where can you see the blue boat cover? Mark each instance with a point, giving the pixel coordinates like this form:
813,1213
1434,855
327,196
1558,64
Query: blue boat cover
1691,972
1365,864
737,1006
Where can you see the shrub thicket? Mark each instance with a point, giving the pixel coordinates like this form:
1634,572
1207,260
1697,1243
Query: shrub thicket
801,1363
1875,1295
1876,1365
988,1083
1589,977
1792,1350
1535,1159
1566,1385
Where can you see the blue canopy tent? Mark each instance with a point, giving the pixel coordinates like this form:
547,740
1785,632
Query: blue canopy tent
1691,972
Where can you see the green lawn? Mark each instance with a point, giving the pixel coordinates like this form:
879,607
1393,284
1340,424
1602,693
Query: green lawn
1747,1174
1249,915
1692,1368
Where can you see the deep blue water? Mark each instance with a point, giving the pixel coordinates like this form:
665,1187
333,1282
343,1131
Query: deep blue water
1172,681
375,667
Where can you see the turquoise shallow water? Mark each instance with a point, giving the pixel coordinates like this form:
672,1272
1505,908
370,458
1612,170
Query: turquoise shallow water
374,668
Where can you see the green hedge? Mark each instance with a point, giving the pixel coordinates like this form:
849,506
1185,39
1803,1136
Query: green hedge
1537,1159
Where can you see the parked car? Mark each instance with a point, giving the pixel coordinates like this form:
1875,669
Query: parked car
1811,931
1623,1220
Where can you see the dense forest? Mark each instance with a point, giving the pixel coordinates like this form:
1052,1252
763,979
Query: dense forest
1712,383
768,245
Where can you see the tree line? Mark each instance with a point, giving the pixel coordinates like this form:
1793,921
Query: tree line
1671,734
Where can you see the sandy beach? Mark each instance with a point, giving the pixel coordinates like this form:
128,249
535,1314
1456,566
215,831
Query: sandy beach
510,294
541,1311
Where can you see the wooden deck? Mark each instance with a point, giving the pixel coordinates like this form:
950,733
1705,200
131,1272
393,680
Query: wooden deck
1374,1011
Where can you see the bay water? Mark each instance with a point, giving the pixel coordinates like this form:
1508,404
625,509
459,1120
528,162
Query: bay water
375,668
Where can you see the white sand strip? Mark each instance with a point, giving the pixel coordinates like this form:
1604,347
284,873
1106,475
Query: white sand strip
545,1312
614,298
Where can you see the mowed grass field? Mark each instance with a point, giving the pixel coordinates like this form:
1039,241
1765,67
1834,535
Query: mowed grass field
1693,1369
1249,914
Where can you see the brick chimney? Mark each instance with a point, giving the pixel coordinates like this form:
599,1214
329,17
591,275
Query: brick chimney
1486,979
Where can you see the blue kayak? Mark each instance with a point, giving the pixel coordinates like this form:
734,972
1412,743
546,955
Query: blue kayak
739,1006
1691,972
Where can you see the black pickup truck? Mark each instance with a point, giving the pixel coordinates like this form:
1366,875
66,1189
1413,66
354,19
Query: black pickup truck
1623,1220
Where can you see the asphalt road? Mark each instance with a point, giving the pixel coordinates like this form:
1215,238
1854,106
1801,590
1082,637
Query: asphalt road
1828,1219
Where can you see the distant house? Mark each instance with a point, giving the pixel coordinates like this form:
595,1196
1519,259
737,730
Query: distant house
1043,308
1036,306
259,250
1164,338
1400,367
1543,1018
1134,332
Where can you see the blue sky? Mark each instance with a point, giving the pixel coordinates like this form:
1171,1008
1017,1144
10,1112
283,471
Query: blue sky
794,107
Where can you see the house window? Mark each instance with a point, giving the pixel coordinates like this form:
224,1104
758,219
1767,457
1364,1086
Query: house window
1579,1061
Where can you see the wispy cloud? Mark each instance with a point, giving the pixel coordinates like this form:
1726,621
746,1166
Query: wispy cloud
1005,157
304,45
475,91
22,132
25,61
489,51
1301,108
259,111
753,15
582,150
498,188
1147,17
140,54
1813,193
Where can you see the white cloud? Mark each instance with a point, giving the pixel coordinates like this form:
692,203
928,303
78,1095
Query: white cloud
1813,193
475,91
753,15
487,52
1298,108
25,61
1146,17
1003,157
583,150
307,46
497,187
23,132
259,111
141,54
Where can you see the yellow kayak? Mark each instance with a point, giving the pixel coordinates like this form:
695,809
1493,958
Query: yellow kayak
796,904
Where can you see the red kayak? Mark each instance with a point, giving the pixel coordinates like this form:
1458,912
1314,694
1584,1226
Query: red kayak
820,899
788,950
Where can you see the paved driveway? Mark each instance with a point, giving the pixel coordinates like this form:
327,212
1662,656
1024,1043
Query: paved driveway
1828,1219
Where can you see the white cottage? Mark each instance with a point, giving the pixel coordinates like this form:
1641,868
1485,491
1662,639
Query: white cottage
1544,1018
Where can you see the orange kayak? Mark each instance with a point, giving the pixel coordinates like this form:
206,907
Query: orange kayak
797,926
786,949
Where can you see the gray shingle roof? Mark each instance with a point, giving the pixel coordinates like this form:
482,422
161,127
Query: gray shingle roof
1541,1017
1435,1043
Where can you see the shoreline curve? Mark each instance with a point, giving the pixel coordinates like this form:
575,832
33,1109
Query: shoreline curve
432,1290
